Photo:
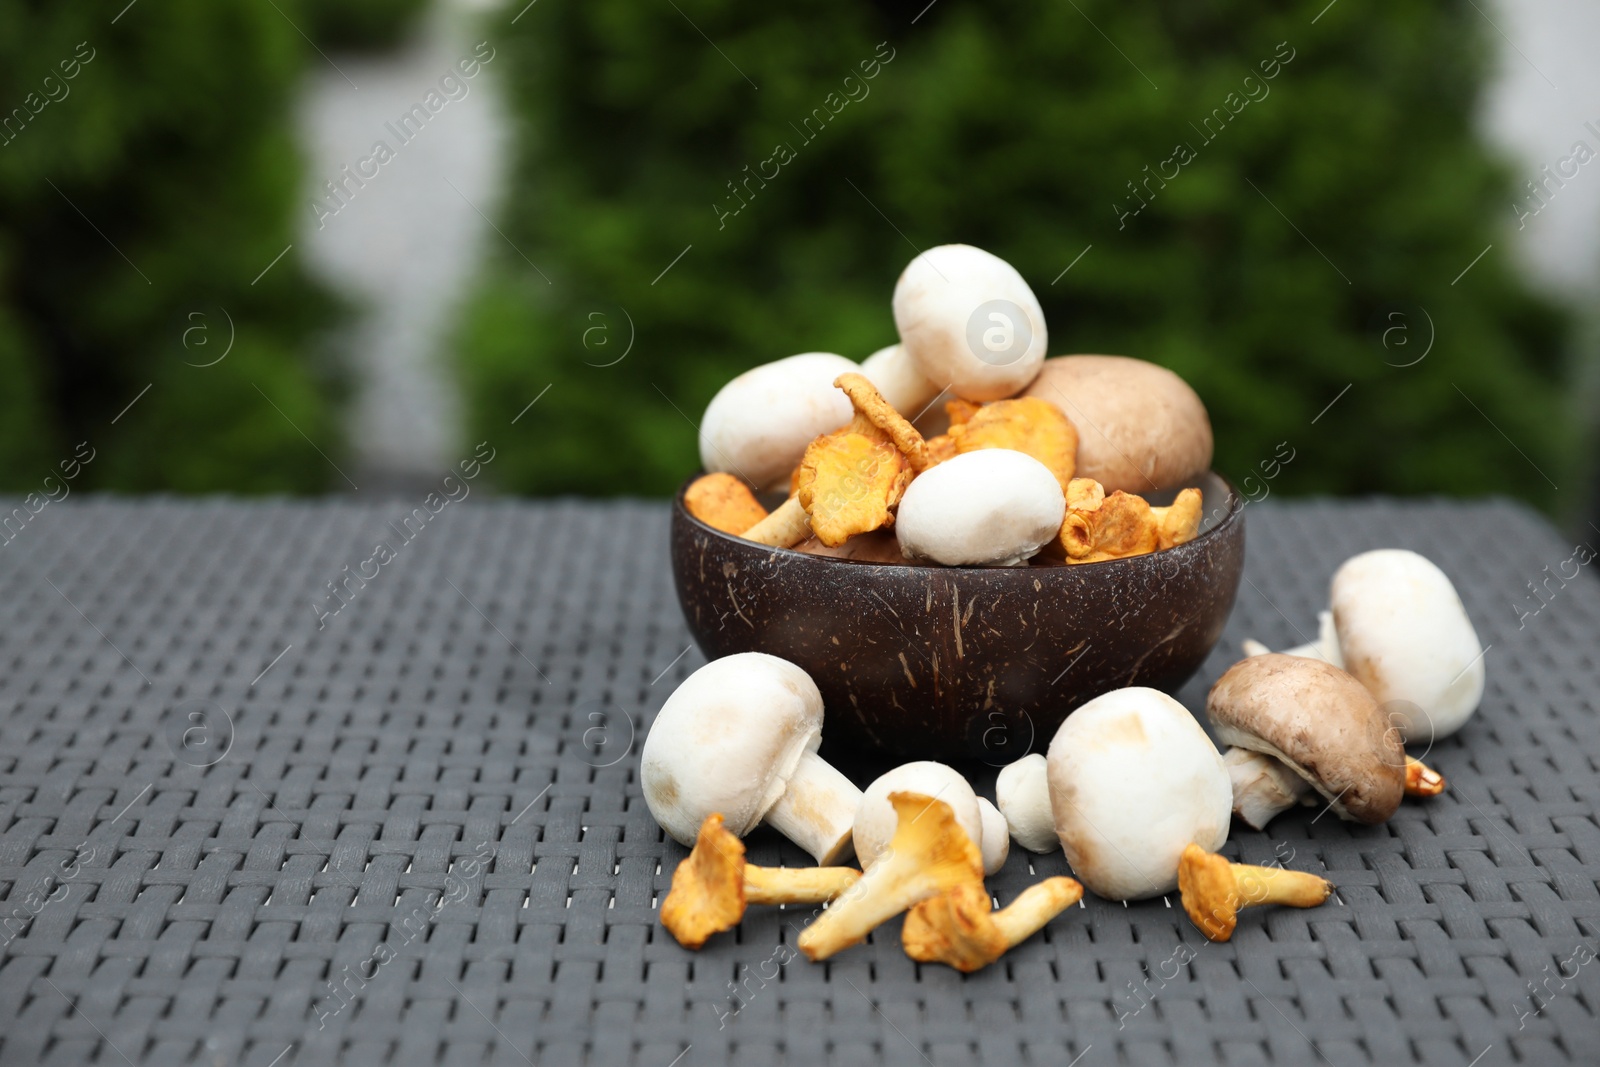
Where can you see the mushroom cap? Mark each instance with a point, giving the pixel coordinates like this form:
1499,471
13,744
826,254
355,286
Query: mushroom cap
996,843
992,507
727,741
970,322
876,819
758,425
1405,635
898,379
1022,792
1133,780
1140,426
1319,721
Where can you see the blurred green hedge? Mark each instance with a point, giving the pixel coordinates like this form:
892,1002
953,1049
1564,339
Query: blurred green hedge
1317,232
148,177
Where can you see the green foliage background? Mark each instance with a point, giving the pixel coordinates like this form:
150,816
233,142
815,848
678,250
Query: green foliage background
174,142
1015,128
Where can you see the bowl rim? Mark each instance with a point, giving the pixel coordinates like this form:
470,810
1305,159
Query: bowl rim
1235,507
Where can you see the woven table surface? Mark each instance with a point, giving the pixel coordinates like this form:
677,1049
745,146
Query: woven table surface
239,828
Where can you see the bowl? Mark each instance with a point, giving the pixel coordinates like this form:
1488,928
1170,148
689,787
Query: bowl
954,663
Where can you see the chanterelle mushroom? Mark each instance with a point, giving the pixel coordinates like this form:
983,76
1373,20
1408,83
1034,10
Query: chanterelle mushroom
1022,793
1098,527
929,854
1026,424
723,502
993,507
711,888
957,927
1133,780
1314,721
740,737
850,479
758,425
1399,626
970,322
1214,890
876,822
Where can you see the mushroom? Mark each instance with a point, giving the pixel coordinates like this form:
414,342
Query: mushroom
723,502
1022,792
929,854
1214,890
848,480
993,507
899,380
875,823
1133,780
1140,426
996,843
758,425
711,888
967,319
1098,527
958,928
1026,424
1305,725
740,737
1399,626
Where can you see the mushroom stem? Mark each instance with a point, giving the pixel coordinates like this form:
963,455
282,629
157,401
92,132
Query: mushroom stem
1325,647
1035,906
784,528
1263,786
817,810
928,855
796,885
1422,780
1214,890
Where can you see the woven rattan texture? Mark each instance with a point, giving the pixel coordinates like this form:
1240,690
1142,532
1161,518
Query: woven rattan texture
429,800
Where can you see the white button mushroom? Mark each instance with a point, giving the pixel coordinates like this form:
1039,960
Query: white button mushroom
758,425
876,820
1023,794
1133,781
1399,626
905,387
992,507
970,322
739,737
996,843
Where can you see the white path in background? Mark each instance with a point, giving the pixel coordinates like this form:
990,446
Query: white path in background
1547,88
407,244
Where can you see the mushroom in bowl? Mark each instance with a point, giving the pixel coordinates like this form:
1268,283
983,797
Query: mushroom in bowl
964,662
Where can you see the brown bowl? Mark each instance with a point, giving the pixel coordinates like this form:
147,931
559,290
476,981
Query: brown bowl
954,663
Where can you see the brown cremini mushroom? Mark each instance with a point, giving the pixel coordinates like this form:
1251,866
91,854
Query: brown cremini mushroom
1314,722
711,888
1214,890
1099,526
723,502
957,927
928,855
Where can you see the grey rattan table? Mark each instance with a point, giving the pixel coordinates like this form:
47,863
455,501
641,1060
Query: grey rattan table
239,829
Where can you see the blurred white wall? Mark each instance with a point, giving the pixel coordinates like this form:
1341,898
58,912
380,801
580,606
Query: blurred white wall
405,243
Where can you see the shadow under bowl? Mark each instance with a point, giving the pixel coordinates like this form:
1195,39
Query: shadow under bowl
951,663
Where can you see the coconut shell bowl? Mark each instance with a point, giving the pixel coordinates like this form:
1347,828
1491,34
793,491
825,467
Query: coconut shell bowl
952,663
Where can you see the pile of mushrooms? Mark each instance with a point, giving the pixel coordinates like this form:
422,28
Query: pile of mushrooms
1035,458
735,746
